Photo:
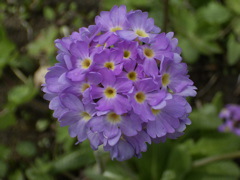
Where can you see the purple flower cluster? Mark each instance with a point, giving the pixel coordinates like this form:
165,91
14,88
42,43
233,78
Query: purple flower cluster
120,84
231,116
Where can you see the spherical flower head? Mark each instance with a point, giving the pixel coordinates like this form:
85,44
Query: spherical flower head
231,116
120,84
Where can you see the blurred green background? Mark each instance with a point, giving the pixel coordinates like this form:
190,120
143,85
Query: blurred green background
34,147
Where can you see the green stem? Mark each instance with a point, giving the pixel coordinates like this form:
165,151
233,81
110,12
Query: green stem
99,161
208,160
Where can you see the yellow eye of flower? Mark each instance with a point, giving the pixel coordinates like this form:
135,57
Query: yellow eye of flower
132,76
113,117
85,86
86,116
141,33
126,54
109,65
140,97
114,29
156,111
110,92
148,53
86,63
165,79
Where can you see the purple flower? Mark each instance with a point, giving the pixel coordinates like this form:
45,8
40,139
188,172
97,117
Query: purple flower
231,116
140,26
121,84
112,95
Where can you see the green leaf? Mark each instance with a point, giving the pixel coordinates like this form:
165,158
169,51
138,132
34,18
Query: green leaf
7,48
234,5
205,118
49,13
224,170
179,161
73,160
42,125
153,162
26,149
190,54
21,94
233,50
214,13
44,42
7,118
235,23
215,143
4,152
41,169
217,101
17,175
3,169
62,137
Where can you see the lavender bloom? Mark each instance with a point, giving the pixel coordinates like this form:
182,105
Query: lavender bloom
231,116
120,84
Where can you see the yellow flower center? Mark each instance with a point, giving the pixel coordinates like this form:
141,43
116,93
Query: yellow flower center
140,97
156,111
126,54
86,63
109,65
110,92
165,79
141,33
113,117
85,86
132,76
148,53
86,116
114,29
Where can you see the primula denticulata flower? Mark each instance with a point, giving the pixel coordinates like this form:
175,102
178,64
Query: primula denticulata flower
120,83
231,116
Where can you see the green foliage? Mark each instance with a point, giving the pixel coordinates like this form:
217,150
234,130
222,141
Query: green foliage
7,49
26,149
233,53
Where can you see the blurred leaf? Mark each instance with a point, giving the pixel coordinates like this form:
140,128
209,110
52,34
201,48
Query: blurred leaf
217,101
224,170
7,118
233,50
17,175
62,136
205,118
215,13
190,54
7,48
21,94
40,170
204,46
73,160
179,161
49,13
119,171
44,42
42,124
26,149
216,143
234,5
3,169
153,162
91,173
184,21
4,152
235,23
169,175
